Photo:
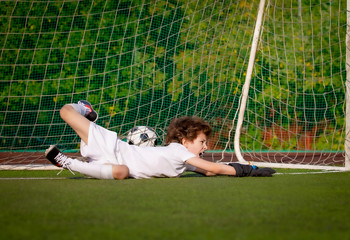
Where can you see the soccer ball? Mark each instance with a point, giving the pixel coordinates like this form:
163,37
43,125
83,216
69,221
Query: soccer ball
142,136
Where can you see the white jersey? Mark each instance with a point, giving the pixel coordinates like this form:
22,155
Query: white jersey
105,147
147,162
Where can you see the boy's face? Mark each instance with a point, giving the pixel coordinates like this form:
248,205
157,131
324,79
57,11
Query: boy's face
198,145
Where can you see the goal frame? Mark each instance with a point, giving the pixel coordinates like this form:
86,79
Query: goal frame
244,98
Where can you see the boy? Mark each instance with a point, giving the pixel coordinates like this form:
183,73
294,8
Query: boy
111,158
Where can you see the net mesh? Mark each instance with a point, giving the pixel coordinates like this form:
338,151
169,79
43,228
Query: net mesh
146,62
297,95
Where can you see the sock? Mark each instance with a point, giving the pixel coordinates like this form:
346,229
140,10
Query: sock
80,109
98,171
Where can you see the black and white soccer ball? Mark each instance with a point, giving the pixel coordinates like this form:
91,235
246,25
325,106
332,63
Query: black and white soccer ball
142,136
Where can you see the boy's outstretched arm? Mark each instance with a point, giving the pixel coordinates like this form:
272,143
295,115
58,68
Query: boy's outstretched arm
200,171
232,169
210,168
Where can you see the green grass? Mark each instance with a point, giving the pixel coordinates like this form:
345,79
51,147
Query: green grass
304,206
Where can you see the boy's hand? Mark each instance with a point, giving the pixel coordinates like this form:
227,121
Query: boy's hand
263,172
251,171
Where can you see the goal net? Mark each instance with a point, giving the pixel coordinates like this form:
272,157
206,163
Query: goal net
145,62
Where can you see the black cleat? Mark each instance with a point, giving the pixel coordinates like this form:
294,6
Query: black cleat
92,114
56,157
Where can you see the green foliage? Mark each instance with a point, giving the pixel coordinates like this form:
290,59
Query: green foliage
144,63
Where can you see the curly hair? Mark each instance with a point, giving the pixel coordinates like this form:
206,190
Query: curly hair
186,127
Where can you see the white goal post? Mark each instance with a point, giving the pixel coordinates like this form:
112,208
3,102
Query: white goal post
347,131
244,98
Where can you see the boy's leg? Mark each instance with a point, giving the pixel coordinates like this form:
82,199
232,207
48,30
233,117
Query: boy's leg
76,121
100,171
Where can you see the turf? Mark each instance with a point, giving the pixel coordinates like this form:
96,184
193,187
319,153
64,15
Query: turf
303,206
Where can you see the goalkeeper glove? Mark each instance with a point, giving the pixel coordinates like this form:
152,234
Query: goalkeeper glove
251,171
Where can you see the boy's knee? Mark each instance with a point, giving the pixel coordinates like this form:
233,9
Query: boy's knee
65,110
120,172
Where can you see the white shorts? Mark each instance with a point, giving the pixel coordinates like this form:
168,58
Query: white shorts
101,147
